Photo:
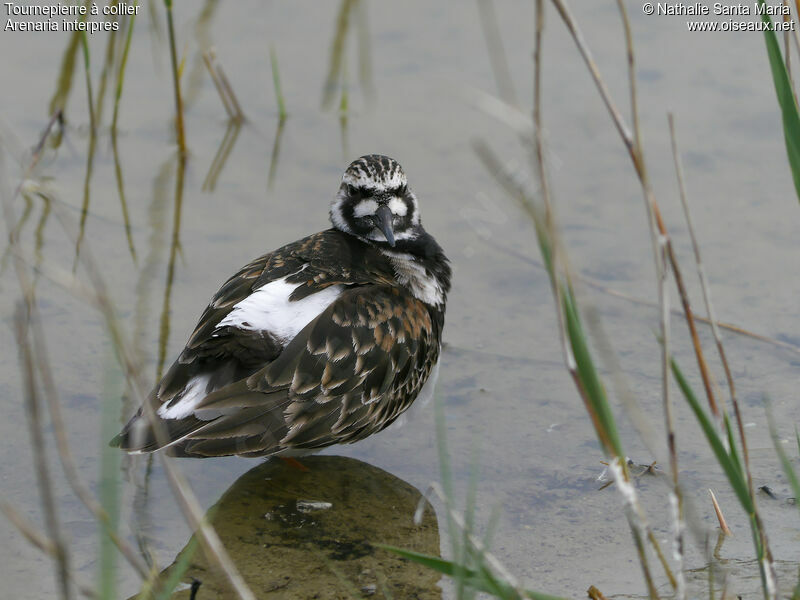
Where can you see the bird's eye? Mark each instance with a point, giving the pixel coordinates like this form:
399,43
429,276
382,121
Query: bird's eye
403,190
352,190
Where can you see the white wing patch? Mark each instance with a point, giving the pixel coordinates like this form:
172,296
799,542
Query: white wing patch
266,309
269,309
191,396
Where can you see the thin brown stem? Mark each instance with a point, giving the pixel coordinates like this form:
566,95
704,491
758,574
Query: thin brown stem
208,60
717,337
497,53
88,74
186,499
549,225
41,542
723,524
636,157
173,53
121,71
65,453
224,88
239,113
46,494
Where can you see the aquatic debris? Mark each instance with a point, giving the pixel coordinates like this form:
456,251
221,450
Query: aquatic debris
307,506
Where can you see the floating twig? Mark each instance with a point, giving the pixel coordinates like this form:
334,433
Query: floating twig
595,594
207,58
221,157
276,81
723,524
273,159
223,85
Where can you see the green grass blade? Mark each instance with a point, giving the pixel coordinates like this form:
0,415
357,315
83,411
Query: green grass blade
725,460
588,374
66,73
734,473
481,580
732,444
87,68
183,563
276,81
783,90
178,571
109,485
121,72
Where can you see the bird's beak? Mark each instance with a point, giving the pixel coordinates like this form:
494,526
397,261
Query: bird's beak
383,221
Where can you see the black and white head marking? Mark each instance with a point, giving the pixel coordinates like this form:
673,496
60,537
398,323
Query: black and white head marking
375,203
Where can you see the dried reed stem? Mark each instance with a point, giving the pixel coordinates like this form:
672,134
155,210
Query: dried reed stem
497,53
701,272
723,524
186,499
520,122
64,452
595,594
121,72
41,542
178,484
717,337
51,394
89,100
229,90
39,449
551,231
221,157
224,89
173,53
276,82
652,206
516,191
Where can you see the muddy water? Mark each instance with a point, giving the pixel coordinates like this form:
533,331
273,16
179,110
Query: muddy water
508,403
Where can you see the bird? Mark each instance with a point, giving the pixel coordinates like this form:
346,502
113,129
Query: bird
324,341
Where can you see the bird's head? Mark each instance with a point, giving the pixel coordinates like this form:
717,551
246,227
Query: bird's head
375,203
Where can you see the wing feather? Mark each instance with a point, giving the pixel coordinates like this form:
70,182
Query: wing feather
309,399
350,372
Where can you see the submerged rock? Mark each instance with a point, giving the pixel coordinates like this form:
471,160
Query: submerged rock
311,534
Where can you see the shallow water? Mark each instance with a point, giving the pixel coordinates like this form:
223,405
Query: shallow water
509,403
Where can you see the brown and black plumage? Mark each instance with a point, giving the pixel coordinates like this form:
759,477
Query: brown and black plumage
326,340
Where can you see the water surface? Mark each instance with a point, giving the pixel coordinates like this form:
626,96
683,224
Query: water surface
509,403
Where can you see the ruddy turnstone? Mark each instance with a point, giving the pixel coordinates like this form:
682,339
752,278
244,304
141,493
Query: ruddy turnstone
324,341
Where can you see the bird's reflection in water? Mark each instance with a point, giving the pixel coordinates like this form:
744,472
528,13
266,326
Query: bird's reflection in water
310,534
